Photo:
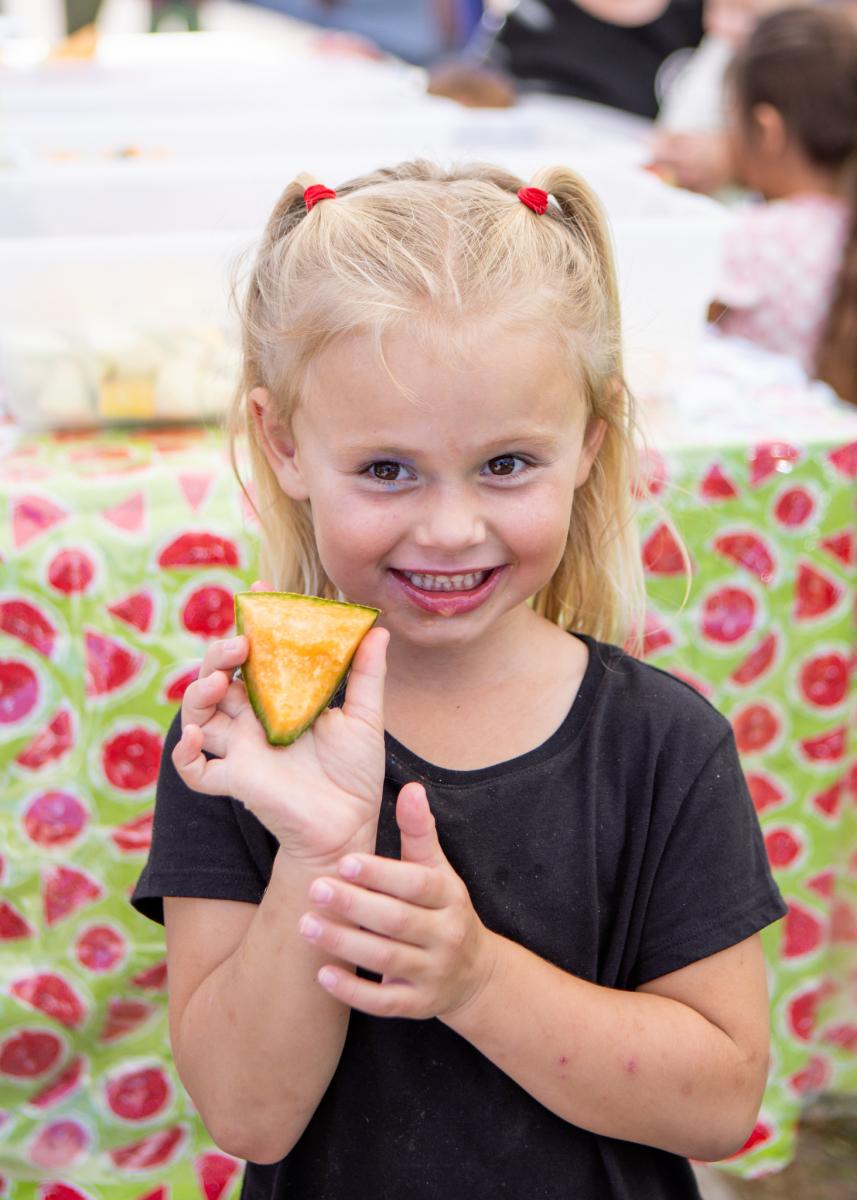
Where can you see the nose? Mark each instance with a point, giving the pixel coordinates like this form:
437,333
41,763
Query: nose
451,520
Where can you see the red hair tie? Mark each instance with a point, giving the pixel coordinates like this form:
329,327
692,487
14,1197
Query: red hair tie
534,198
317,192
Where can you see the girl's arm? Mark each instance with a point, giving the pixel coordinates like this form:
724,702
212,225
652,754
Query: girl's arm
679,1064
255,1040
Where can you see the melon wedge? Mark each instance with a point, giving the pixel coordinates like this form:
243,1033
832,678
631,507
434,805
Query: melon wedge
300,650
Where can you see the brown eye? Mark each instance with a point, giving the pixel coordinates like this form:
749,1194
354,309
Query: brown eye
386,472
505,465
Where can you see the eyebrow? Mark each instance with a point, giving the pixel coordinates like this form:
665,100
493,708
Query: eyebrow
536,438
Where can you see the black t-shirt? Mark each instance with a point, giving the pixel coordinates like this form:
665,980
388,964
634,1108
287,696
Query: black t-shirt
558,47
624,847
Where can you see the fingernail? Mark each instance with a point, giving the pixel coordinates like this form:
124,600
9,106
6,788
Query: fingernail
321,892
310,926
349,868
326,978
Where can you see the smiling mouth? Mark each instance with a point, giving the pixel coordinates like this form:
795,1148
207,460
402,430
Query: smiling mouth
465,581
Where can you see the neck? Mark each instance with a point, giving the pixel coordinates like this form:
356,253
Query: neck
492,660
799,177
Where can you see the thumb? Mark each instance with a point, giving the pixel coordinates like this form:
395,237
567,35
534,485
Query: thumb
417,827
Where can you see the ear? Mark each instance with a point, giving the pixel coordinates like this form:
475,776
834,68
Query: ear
592,439
278,444
771,135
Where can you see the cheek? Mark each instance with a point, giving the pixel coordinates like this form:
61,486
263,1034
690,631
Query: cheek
351,531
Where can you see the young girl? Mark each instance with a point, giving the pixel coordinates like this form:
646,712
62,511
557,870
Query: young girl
790,276
490,926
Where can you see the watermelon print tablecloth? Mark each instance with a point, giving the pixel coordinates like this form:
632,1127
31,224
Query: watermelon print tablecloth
120,553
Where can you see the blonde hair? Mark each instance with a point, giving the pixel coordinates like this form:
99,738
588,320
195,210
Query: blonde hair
415,243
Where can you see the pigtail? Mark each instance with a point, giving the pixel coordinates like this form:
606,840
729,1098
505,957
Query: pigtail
598,587
288,553
836,359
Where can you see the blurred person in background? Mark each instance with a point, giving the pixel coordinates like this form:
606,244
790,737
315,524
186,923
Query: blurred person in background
415,30
692,147
790,272
606,51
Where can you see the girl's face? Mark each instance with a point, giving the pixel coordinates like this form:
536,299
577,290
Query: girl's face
449,506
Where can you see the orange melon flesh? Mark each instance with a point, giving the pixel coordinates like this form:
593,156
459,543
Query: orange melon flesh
300,650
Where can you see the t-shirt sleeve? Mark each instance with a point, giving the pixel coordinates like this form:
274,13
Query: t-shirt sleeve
713,886
200,845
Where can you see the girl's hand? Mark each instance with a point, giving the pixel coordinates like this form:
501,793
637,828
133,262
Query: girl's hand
411,921
320,796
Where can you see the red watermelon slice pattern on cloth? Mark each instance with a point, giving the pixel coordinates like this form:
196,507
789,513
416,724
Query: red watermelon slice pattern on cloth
815,593
757,663
100,948
199,549
23,620
662,553
716,485
30,1053
747,550
823,679
13,924
825,747
138,1093
55,818
19,690
134,836
49,744
728,615
770,458
129,514
844,459
33,516
130,758
841,546
794,507
71,571
65,890
154,1151
215,1172
69,1081
52,995
58,1145
110,665
209,612
196,488
136,609
125,1016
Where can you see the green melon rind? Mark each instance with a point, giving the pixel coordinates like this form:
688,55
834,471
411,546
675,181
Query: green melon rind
275,739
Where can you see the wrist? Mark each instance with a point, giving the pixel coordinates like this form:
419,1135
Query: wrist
471,1013
325,862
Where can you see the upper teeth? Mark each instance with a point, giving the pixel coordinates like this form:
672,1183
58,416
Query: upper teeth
446,583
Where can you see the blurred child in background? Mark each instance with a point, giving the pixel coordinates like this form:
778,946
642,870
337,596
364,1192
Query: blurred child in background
790,274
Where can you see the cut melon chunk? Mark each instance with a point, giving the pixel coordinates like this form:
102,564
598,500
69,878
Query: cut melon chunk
300,650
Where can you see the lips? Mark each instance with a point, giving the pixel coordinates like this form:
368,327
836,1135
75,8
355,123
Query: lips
444,596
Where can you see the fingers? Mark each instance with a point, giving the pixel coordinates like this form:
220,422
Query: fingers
198,772
411,882
417,827
381,913
364,693
260,585
221,660
361,947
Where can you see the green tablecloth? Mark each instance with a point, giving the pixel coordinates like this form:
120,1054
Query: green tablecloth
120,554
